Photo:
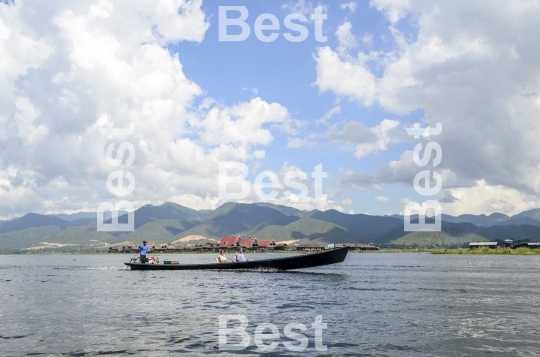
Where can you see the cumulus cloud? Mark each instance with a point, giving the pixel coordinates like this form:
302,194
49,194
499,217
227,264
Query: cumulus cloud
351,6
351,79
484,198
240,124
291,186
478,78
68,70
368,140
347,40
393,9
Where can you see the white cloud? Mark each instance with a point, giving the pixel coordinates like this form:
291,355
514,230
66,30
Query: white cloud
367,40
346,39
486,199
394,9
403,202
329,114
381,198
347,202
349,79
477,78
241,124
368,140
296,143
351,6
68,69
294,196
303,7
383,137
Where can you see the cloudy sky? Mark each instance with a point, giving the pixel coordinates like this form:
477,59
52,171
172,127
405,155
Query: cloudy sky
342,97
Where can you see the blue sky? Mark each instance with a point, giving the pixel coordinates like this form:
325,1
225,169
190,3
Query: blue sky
70,68
284,72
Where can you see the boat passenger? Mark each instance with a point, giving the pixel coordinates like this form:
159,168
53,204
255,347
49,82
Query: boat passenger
143,249
221,258
240,257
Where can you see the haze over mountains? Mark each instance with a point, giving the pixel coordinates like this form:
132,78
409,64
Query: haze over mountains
171,222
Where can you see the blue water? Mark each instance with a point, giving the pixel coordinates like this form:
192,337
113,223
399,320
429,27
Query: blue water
374,304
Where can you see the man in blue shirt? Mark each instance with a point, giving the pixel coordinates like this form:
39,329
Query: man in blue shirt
240,257
142,251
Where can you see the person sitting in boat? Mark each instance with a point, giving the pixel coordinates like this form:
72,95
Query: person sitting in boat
221,258
240,257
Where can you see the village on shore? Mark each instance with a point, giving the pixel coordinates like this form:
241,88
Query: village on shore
231,243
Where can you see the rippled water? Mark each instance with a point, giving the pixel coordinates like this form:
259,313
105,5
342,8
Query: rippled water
373,305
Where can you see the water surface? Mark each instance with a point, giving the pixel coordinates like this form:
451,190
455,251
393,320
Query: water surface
378,304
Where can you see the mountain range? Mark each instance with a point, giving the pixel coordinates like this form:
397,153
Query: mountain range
173,223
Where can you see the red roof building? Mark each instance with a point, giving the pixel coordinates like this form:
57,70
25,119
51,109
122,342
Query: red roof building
248,242
229,240
266,243
212,244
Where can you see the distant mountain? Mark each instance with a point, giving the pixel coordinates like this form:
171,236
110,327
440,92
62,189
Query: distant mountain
161,231
289,211
85,235
3,221
149,213
435,240
451,229
233,218
367,227
75,216
515,232
533,214
518,221
39,220
459,234
170,222
302,228
479,220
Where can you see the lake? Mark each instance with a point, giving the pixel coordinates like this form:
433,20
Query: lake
373,304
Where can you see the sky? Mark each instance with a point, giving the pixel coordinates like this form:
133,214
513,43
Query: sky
341,94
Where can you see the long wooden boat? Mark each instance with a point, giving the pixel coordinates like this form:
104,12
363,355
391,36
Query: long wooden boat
325,257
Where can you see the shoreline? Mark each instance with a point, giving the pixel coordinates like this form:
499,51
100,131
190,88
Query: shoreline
439,251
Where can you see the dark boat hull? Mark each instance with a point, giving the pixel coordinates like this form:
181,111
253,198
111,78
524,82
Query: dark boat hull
289,263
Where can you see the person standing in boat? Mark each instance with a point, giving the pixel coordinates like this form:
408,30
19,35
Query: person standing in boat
143,249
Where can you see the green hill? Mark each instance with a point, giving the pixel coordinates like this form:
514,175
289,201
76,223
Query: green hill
169,222
233,218
86,235
369,228
434,240
288,228
149,213
159,231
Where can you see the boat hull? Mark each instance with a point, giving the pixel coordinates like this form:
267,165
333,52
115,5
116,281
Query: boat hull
326,257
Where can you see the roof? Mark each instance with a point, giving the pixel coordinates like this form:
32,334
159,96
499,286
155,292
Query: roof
265,242
483,243
248,242
212,243
229,240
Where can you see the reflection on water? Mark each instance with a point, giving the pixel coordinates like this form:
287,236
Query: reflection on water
374,305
